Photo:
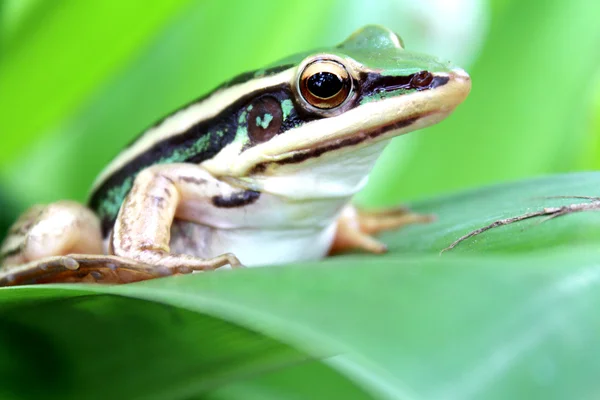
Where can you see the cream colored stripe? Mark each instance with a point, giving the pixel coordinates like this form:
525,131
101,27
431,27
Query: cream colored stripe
184,119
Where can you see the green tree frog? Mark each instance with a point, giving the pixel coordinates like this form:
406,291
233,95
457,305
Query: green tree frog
259,171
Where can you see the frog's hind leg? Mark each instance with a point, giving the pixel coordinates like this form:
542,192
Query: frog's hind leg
51,230
355,227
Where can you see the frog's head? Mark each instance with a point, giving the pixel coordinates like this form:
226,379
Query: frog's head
327,115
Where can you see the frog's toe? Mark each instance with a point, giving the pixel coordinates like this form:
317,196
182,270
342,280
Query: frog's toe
373,222
355,227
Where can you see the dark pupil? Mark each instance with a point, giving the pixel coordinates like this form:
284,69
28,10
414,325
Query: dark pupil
324,84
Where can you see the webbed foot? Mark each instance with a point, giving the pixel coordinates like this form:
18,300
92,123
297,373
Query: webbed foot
89,268
355,227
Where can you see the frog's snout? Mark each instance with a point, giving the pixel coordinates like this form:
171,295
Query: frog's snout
461,82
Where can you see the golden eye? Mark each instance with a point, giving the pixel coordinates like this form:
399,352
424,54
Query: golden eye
325,84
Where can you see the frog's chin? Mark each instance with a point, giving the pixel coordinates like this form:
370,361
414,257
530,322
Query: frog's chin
336,174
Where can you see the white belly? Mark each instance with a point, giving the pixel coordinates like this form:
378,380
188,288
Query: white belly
271,230
253,247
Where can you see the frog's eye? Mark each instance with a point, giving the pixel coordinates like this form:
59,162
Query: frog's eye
325,84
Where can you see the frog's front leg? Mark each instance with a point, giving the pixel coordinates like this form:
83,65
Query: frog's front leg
355,227
142,230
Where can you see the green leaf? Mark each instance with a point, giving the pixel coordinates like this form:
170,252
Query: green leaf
143,349
509,315
466,211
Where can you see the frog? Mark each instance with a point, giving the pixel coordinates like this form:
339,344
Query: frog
260,171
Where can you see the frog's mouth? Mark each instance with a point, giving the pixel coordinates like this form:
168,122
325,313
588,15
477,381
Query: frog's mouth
368,123
357,139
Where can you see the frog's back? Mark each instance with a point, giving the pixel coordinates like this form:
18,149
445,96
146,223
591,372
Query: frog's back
193,134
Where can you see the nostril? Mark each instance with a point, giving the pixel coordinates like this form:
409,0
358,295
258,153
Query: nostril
461,74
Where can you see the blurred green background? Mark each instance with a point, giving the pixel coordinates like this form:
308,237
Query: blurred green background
79,80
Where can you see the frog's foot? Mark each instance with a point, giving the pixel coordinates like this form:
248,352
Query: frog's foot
355,227
548,213
182,263
101,269
52,230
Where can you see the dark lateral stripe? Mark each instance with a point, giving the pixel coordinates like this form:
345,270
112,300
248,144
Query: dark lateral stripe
239,79
182,147
374,83
238,199
351,141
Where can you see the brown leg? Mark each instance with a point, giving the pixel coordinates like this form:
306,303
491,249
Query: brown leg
143,228
355,227
89,268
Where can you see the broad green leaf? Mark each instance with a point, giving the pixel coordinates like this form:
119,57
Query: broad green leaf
64,343
461,213
509,315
